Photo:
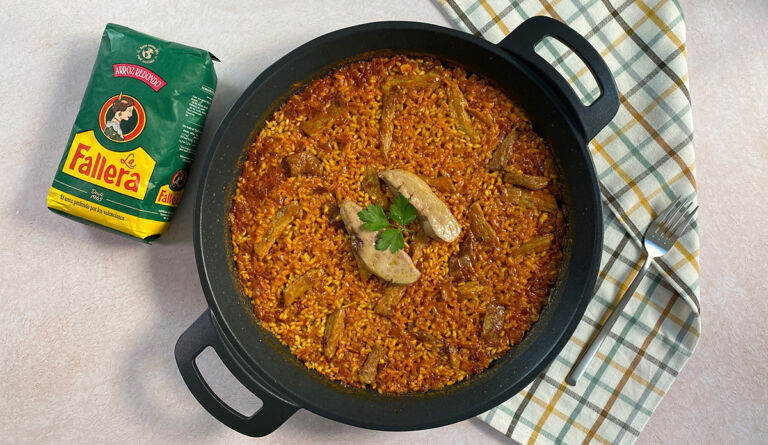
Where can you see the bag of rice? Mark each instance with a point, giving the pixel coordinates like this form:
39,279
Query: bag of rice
135,135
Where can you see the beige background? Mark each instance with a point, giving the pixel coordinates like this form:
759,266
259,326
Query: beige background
88,320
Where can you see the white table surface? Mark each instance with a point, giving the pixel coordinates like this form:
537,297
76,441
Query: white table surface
88,319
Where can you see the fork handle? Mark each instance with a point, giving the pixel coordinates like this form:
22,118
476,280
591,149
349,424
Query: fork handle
583,361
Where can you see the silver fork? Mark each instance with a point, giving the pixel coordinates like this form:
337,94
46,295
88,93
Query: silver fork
659,237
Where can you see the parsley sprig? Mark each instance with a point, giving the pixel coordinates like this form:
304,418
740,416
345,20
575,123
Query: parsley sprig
401,213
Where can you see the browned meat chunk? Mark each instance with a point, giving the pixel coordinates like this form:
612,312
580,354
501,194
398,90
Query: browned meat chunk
447,293
322,119
531,182
427,80
334,328
365,274
503,153
453,355
386,304
436,218
419,241
372,186
301,285
389,103
482,115
371,365
387,124
303,163
280,221
435,342
479,226
561,227
457,104
462,264
442,184
313,126
424,336
535,244
472,289
535,199
333,214
493,322
395,267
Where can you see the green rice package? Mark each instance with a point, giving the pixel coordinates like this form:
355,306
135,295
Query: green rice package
126,161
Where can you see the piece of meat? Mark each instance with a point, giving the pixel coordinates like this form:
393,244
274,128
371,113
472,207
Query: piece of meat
479,226
424,336
427,80
535,199
311,127
371,365
303,163
462,264
453,355
332,212
535,244
503,153
432,341
321,119
387,124
442,184
395,267
478,360
561,228
389,97
386,304
419,241
334,328
531,182
372,186
280,221
493,322
483,115
457,104
471,289
447,293
301,285
365,274
436,218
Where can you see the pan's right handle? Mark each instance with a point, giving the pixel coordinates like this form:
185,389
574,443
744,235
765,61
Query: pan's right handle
192,342
522,41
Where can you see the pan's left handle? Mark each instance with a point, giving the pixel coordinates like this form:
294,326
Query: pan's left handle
274,412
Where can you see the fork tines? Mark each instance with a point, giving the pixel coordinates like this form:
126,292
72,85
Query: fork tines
676,217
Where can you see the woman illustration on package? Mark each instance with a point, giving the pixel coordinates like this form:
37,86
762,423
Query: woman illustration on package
123,109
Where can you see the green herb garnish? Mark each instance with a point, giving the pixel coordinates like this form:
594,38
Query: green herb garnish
392,238
374,217
401,213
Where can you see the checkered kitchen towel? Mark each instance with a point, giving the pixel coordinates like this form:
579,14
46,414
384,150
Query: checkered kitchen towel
644,159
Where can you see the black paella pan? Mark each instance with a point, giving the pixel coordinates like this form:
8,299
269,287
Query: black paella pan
266,367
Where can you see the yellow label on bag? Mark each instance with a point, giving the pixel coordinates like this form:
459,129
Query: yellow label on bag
127,173
114,219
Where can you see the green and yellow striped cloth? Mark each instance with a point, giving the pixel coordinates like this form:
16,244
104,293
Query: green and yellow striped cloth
644,159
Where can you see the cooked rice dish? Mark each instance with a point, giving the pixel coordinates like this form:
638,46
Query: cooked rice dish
481,250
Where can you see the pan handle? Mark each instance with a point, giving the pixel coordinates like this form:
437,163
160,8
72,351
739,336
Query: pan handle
521,42
192,342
